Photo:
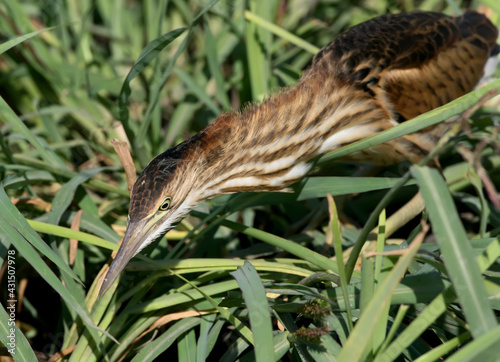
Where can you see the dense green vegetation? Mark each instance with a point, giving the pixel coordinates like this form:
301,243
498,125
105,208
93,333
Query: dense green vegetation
76,74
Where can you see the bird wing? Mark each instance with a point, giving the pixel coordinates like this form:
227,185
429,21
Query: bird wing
412,62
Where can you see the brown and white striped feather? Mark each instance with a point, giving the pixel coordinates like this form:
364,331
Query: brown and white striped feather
374,75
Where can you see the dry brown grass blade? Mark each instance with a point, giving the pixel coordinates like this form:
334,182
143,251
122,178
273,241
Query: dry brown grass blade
169,318
419,239
62,354
406,213
73,243
23,284
121,149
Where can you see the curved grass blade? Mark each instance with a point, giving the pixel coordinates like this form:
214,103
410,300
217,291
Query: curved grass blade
152,350
461,264
334,232
258,310
449,346
198,91
286,35
19,39
65,195
435,309
357,343
9,116
215,69
258,49
156,89
314,187
191,295
66,173
65,232
12,222
149,53
20,241
207,323
19,347
289,246
485,348
196,265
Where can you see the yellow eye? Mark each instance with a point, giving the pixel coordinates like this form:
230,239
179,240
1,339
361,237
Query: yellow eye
165,204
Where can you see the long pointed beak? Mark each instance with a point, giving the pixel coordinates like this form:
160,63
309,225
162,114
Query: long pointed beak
134,237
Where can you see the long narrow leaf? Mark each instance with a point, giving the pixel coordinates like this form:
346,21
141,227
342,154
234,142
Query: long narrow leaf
11,219
19,39
456,249
149,53
357,343
9,116
485,348
258,310
152,350
11,336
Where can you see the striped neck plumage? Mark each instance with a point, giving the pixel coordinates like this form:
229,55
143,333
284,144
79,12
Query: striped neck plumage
272,145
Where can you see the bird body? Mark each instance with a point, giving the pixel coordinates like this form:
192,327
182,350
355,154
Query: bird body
369,79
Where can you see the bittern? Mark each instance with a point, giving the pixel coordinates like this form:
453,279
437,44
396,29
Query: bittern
370,78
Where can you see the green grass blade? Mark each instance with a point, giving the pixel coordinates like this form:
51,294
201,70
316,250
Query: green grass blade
66,173
194,265
149,53
215,69
258,310
289,246
485,209
156,89
153,349
12,220
170,300
50,229
380,332
484,348
207,323
314,187
234,350
66,194
434,310
197,90
258,47
19,39
273,28
9,116
398,320
461,264
186,347
367,282
357,343
370,223
20,241
439,352
12,338
334,227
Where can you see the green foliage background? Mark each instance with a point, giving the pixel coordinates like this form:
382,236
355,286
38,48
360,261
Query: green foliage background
76,74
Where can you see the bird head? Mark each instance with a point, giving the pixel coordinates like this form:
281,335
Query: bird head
162,195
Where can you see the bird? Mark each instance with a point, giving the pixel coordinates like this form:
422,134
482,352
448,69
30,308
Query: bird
370,78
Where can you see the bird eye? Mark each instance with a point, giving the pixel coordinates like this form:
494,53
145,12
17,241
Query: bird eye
165,204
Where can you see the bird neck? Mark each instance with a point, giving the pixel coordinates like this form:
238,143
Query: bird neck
271,145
